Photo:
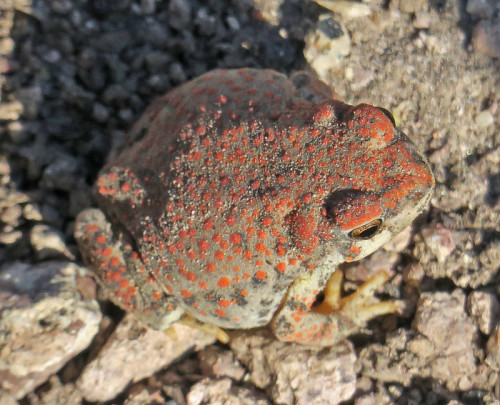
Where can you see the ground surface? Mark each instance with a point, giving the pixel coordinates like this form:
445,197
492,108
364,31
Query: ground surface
76,74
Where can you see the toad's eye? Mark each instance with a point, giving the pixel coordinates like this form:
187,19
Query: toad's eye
366,231
388,114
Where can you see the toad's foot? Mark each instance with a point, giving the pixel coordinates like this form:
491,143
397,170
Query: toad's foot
213,330
335,318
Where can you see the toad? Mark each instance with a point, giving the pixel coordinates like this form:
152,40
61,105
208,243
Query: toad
236,197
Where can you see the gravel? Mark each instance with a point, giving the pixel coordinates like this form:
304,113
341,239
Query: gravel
75,74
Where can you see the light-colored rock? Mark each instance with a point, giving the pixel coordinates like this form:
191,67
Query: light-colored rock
486,37
217,362
134,352
297,374
223,392
484,309
326,45
48,243
44,322
440,346
439,240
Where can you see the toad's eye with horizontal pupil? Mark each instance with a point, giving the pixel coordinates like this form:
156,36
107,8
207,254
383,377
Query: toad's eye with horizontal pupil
388,114
366,231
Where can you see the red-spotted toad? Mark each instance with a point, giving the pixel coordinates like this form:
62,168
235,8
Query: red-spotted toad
236,197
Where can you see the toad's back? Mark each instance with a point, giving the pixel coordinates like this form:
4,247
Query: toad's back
224,184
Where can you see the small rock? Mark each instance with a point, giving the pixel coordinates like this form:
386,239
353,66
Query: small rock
359,77
44,322
61,6
422,20
207,24
411,6
100,112
176,73
448,336
217,362
157,62
11,111
6,46
347,9
11,215
269,11
327,45
484,308
480,8
144,351
439,240
294,373
148,7
484,119
223,391
62,173
31,99
179,14
486,37
146,395
48,243
493,349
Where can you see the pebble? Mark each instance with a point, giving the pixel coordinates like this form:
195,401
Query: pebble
62,173
218,362
484,119
157,62
41,306
347,9
48,243
480,8
11,111
484,308
486,38
224,391
179,14
493,349
296,374
100,112
326,45
143,351
439,240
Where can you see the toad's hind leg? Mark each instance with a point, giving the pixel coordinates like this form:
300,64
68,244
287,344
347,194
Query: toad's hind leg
121,273
335,318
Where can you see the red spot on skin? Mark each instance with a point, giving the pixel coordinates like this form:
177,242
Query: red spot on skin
224,282
235,238
219,255
303,229
185,293
220,312
191,276
202,285
107,252
125,187
261,275
203,245
224,303
230,220
101,239
260,247
208,224
267,221
114,262
281,267
210,267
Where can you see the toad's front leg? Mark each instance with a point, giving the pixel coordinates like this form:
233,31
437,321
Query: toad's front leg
300,321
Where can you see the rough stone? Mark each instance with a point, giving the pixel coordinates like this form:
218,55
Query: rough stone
44,322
